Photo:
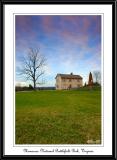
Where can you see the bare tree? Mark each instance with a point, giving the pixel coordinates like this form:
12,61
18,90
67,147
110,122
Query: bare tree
97,76
33,66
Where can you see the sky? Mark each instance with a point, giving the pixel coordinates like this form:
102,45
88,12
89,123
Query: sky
70,43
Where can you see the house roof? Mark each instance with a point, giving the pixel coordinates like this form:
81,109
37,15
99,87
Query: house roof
69,76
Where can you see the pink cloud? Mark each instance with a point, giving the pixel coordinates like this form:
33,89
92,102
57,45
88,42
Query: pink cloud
25,24
72,37
76,30
47,24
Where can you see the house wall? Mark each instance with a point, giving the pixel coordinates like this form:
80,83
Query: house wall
68,83
58,82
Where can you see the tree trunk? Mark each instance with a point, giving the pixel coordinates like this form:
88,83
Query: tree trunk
34,77
34,84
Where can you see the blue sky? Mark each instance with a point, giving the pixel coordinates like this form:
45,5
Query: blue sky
70,43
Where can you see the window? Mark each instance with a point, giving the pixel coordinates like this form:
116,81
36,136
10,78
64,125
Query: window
63,80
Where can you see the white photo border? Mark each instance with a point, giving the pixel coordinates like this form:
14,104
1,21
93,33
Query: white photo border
10,147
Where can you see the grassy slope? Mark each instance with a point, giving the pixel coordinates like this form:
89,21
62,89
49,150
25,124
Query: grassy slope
58,117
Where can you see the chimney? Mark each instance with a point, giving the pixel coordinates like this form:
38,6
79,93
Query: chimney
71,73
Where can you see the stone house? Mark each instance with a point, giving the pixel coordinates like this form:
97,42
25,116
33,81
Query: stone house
68,81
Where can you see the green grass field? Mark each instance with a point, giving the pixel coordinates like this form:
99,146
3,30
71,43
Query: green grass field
58,117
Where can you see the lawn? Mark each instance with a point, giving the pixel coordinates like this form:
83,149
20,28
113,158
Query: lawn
58,117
